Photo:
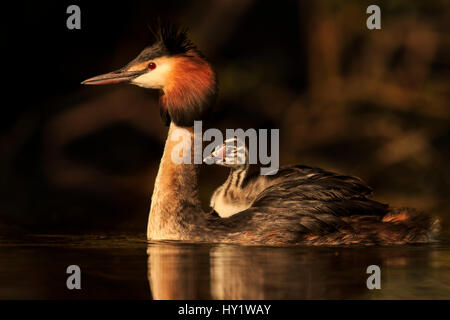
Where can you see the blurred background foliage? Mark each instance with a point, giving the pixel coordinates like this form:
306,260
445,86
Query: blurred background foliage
368,103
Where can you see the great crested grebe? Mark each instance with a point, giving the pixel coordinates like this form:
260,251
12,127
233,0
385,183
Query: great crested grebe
329,210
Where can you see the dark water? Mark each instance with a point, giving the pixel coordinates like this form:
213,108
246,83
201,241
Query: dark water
120,266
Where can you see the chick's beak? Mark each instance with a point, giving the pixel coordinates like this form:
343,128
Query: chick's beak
114,77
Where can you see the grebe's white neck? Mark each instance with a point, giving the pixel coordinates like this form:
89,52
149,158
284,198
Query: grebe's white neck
175,205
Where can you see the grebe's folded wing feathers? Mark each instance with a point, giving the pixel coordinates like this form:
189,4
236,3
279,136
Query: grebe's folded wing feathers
300,174
322,209
322,192
306,200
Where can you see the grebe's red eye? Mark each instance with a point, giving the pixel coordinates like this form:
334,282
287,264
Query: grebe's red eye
151,65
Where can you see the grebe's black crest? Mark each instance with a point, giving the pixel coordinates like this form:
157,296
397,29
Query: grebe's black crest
174,38
169,40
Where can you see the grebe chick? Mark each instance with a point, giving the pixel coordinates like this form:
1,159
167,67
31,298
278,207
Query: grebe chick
243,184
238,192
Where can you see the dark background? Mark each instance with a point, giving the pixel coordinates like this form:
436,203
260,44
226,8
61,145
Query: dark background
367,103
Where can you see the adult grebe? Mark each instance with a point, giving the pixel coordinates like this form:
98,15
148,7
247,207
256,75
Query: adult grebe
331,210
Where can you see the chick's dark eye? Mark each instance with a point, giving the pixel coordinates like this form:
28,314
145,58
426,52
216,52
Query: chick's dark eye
151,66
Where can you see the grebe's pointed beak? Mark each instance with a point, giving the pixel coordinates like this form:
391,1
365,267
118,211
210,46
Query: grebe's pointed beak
114,77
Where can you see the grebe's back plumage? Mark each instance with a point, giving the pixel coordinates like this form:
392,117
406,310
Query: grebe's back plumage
323,208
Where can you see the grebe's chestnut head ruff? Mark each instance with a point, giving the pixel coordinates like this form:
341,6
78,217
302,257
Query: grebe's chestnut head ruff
174,66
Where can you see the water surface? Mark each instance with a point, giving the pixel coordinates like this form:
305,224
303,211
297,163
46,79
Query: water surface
127,267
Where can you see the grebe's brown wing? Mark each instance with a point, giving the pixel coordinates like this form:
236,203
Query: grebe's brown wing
316,201
305,201
322,208
320,191
301,174
299,177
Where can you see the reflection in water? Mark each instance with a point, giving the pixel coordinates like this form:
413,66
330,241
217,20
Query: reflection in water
177,271
117,267
234,272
